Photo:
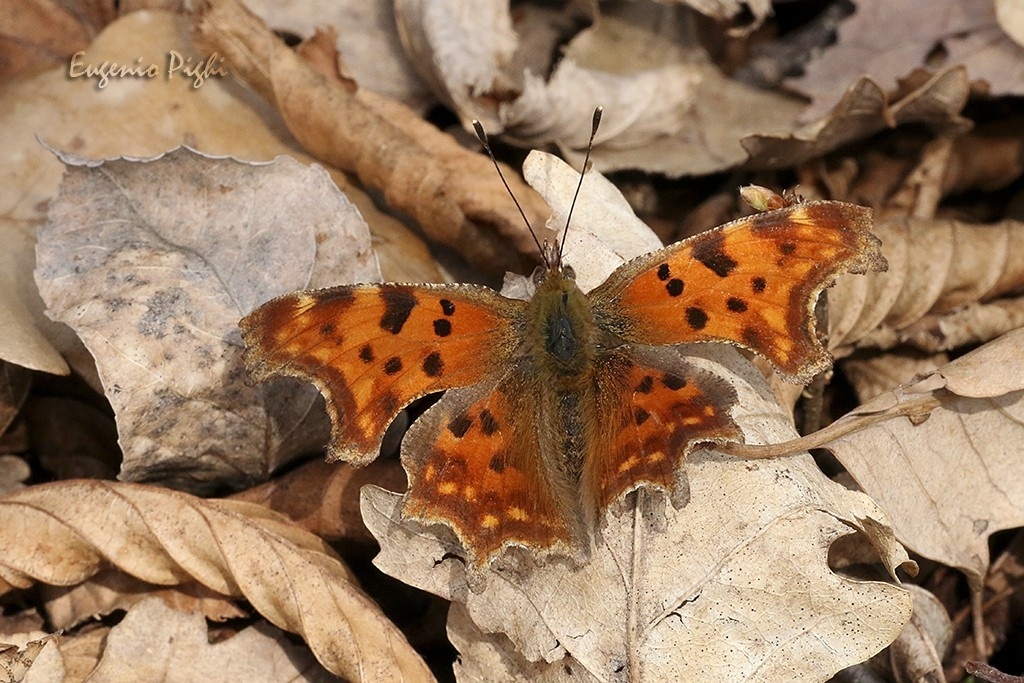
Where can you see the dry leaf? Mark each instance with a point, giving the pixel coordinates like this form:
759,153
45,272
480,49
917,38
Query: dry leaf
157,643
73,114
154,284
863,109
43,32
61,534
21,340
950,481
886,41
604,231
16,661
873,375
109,590
367,40
323,497
452,196
667,108
735,584
917,654
935,267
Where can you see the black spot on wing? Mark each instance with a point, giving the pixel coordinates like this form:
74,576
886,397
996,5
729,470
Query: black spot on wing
674,287
736,304
497,463
709,252
442,327
459,425
433,366
393,365
673,382
645,386
398,305
696,318
758,284
487,422
366,354
664,272
447,307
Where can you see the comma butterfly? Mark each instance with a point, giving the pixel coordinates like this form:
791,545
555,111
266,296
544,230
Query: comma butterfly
559,406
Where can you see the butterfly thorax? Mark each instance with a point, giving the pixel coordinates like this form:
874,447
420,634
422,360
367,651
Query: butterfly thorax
561,330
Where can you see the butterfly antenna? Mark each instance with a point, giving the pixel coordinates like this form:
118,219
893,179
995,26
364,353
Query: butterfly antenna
586,162
481,135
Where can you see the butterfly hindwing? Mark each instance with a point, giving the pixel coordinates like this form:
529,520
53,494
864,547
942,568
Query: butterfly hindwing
371,349
652,408
752,282
475,463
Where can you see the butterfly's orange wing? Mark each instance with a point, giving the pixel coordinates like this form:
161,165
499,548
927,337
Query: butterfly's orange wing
477,463
751,282
371,349
652,408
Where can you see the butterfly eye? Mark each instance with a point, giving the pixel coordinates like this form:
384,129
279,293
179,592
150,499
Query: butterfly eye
569,272
539,274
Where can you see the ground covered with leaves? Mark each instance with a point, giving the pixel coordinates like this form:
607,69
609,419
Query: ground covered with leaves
170,167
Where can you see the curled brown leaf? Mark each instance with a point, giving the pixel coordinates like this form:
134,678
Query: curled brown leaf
64,533
937,268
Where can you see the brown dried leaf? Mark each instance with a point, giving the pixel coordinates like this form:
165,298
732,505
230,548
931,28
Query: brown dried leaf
22,337
36,33
367,40
74,114
154,262
667,108
886,41
946,474
918,653
323,498
157,643
863,109
452,196
874,375
16,661
936,268
61,534
110,589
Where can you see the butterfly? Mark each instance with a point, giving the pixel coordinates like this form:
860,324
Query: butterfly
560,406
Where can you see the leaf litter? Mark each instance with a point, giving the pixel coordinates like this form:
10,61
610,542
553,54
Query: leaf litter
957,282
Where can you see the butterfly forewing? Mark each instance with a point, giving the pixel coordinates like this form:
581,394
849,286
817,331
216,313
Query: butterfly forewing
752,282
371,349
